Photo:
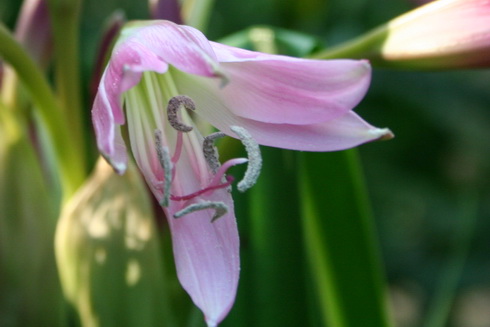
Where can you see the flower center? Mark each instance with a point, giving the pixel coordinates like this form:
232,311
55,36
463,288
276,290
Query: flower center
220,180
158,142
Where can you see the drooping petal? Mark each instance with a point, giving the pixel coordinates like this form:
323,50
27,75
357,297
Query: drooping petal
207,257
206,253
343,132
109,139
279,89
124,71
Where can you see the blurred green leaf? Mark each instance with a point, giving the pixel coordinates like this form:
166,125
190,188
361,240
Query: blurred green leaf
444,297
340,240
30,294
272,289
31,77
283,41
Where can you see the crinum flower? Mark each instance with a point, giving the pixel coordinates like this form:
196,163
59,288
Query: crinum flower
167,82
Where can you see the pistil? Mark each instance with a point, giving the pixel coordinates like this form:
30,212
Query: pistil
211,187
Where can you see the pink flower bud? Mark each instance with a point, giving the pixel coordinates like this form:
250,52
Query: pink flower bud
441,34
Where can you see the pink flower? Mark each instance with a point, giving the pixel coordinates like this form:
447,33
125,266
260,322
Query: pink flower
441,34
159,67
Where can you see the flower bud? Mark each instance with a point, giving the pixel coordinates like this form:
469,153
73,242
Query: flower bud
165,9
107,252
33,32
442,34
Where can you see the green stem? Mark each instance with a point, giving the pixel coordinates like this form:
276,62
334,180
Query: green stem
64,16
340,240
67,155
366,46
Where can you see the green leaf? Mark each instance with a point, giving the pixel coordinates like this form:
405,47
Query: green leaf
272,290
30,292
443,299
340,241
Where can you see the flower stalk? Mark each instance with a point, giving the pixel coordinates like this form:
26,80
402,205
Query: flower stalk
64,16
364,46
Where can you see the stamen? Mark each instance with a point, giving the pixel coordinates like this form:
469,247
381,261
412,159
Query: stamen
229,180
166,163
220,207
209,150
254,158
173,105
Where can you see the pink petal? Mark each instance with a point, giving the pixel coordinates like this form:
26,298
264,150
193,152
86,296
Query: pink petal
206,254
340,133
183,47
122,73
207,258
108,134
147,47
280,89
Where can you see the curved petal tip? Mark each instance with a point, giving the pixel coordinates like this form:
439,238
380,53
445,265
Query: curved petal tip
385,134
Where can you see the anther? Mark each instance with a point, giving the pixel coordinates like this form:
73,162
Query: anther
173,106
209,150
254,158
220,209
166,163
